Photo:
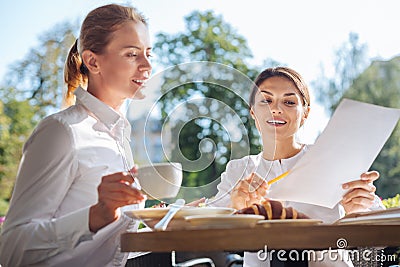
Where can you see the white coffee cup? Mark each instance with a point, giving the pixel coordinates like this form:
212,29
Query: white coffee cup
160,180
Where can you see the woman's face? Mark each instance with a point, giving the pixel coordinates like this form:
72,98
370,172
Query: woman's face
278,108
124,66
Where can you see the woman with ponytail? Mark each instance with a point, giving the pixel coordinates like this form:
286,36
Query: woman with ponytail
77,171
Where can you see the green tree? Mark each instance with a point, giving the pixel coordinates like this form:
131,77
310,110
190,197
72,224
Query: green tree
350,60
380,84
207,110
17,119
38,77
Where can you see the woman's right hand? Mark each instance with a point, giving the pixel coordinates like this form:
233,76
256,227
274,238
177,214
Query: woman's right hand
249,191
114,191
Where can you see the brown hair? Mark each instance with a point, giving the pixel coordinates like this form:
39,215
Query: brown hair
285,72
96,33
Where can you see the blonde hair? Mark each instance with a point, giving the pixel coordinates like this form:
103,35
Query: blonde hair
96,33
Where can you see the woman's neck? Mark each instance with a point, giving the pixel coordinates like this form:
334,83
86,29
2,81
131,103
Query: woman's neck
281,149
106,97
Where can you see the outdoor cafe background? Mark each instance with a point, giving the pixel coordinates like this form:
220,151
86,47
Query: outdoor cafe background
338,57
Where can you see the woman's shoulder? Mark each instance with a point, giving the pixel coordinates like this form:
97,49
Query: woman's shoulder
57,125
63,120
68,115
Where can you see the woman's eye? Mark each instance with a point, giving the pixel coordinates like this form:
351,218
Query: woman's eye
266,101
132,54
290,103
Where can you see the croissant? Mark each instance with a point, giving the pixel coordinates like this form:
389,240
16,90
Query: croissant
272,209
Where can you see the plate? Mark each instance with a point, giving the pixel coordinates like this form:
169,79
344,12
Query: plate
158,213
294,222
223,221
151,216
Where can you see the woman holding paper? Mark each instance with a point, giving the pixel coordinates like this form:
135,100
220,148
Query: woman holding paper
280,104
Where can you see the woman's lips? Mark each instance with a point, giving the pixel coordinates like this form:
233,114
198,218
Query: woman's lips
139,82
276,122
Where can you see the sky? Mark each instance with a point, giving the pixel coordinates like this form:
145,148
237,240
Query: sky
301,34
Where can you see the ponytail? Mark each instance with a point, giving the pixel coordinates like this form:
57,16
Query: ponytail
96,33
75,74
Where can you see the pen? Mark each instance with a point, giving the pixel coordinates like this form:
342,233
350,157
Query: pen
283,175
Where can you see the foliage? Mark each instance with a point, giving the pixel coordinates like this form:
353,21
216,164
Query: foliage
207,38
204,141
17,119
39,76
350,60
3,209
392,202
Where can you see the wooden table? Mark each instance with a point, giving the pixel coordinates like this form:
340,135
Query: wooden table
274,237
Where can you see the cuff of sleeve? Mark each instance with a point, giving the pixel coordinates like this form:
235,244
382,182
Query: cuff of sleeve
378,204
73,228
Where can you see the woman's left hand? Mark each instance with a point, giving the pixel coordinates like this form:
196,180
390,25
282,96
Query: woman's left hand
361,193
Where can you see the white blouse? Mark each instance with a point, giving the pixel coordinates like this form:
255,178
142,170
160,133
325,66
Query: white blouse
239,169
62,164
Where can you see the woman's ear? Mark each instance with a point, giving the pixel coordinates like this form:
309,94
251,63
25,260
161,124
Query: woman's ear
305,115
90,60
253,116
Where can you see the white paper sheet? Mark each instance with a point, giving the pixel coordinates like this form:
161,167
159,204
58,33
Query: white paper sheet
346,148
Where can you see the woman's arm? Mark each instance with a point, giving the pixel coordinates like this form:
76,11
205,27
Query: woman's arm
229,179
46,172
32,232
239,186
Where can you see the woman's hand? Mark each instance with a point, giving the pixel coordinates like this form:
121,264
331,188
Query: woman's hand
248,191
197,202
361,193
114,192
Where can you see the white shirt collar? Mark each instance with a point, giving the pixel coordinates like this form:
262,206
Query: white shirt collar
109,117
102,111
294,158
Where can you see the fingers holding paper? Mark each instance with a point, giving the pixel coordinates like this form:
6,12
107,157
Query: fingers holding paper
361,193
250,190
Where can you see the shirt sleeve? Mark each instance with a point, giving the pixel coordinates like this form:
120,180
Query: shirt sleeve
378,204
31,232
229,178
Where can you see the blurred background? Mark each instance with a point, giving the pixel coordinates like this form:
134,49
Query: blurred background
342,48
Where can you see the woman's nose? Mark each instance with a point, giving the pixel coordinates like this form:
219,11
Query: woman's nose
145,65
275,109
